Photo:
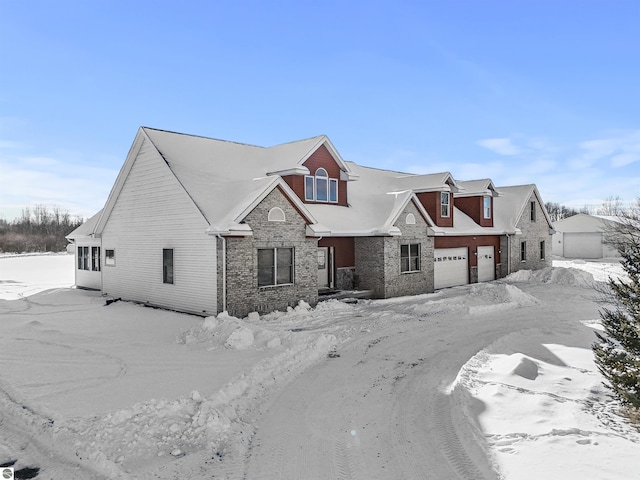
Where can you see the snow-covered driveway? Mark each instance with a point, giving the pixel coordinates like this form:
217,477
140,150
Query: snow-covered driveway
474,382
385,408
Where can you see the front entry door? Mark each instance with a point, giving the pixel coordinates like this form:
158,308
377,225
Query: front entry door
323,267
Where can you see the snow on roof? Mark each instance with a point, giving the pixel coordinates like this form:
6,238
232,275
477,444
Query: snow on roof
224,178
482,186
86,229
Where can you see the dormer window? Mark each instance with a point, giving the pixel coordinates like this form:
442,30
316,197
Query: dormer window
487,207
445,204
320,188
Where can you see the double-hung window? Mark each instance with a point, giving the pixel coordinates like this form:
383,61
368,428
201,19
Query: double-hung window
95,259
410,257
110,257
320,188
83,258
523,251
445,204
487,207
275,266
533,211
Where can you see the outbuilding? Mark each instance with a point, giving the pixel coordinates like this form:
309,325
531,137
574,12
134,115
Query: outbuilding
582,236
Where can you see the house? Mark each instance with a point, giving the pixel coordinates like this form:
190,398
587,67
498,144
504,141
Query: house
203,226
581,236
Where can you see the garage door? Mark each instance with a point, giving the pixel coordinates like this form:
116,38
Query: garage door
486,264
583,245
451,267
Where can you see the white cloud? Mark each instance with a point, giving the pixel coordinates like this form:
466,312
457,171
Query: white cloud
27,180
501,146
618,149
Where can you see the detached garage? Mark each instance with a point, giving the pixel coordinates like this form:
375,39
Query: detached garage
580,236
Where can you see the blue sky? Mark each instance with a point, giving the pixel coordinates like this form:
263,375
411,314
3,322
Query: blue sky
523,91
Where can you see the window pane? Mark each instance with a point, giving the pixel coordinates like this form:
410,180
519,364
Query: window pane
415,264
285,265
109,257
285,275
333,190
404,264
487,207
167,265
321,189
308,188
266,267
444,207
404,251
285,257
414,249
95,259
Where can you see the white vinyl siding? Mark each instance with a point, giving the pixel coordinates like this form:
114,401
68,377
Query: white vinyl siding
152,212
88,264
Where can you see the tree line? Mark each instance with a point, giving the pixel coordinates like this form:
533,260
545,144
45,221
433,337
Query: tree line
38,229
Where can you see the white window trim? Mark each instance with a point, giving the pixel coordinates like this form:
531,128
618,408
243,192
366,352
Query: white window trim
313,196
275,267
486,208
276,214
448,204
408,245
107,259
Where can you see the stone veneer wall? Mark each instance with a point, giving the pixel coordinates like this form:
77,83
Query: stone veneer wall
243,294
378,260
533,232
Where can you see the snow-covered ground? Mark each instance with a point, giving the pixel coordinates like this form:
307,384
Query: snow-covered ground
490,380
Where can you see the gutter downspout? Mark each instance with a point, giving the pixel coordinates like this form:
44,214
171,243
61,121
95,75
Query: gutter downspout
224,272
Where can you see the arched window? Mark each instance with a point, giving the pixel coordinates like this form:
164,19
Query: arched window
410,219
320,188
276,214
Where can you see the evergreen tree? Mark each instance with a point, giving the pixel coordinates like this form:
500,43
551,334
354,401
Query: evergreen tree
617,352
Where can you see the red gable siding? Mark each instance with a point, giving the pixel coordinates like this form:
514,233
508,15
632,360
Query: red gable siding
321,158
344,250
474,207
431,202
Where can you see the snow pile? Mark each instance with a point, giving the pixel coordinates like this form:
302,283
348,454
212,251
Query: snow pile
156,428
551,275
535,409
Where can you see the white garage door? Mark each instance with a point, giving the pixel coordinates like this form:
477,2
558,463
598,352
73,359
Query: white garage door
451,267
486,264
583,245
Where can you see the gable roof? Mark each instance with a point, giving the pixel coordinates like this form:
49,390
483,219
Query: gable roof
511,205
376,200
87,229
472,188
